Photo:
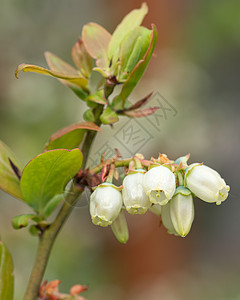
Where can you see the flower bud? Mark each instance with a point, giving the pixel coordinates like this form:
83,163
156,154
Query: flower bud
156,209
182,211
120,228
105,204
206,183
166,219
159,184
134,197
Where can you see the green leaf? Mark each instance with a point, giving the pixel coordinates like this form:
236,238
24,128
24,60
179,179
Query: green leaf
71,78
89,115
109,116
133,48
82,59
129,23
9,181
98,97
58,65
6,274
136,73
22,221
52,204
96,40
71,136
46,176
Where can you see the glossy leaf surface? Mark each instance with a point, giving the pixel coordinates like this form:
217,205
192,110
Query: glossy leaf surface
46,176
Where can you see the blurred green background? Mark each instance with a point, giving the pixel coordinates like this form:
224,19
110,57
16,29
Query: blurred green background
196,68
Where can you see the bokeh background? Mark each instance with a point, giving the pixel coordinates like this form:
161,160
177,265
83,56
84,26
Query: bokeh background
196,68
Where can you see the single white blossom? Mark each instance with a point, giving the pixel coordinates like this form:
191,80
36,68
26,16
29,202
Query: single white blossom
182,211
206,183
120,228
159,184
105,204
134,197
166,219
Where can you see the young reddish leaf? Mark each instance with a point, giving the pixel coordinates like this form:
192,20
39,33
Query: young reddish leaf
72,78
138,104
82,59
46,176
71,136
140,113
6,274
96,40
9,180
130,22
109,116
137,72
77,289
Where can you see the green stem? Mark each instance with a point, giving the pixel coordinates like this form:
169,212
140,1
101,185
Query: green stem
47,238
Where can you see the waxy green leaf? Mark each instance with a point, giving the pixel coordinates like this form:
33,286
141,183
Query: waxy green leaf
22,221
56,64
46,176
82,59
96,40
109,116
9,181
71,136
6,274
129,23
132,49
136,73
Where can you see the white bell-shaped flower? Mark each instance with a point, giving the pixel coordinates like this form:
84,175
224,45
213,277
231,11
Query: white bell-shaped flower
134,197
105,204
182,211
166,219
159,185
120,228
206,183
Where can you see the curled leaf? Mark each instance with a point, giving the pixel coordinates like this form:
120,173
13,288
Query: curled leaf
140,113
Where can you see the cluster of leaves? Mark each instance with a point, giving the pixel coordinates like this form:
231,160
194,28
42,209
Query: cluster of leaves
120,58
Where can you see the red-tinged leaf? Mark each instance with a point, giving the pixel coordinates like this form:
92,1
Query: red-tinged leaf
96,40
75,79
77,289
140,113
82,59
57,64
104,172
136,73
71,136
98,97
138,104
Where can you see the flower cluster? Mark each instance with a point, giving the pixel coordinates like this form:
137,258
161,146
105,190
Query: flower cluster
162,186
